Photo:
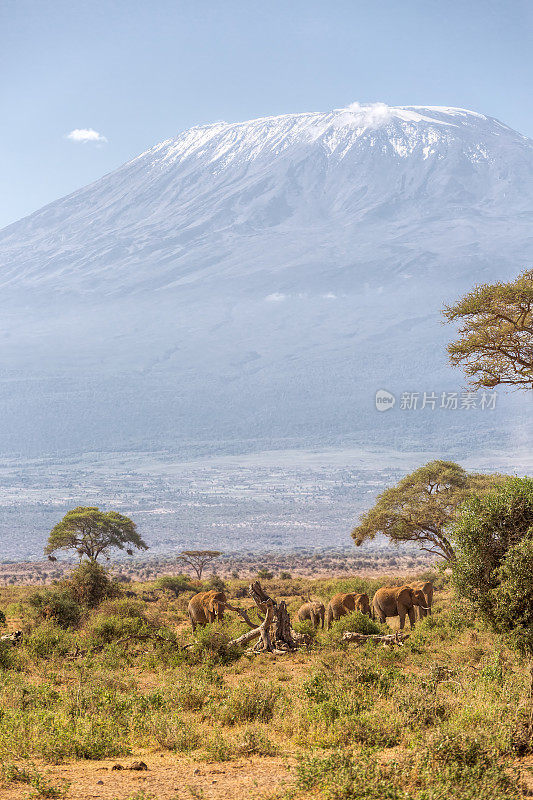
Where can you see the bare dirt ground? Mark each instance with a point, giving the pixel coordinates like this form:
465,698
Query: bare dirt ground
168,777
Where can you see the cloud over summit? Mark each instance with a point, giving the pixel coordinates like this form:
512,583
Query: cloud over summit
85,135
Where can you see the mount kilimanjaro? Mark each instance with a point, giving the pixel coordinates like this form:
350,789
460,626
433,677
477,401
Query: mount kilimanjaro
251,285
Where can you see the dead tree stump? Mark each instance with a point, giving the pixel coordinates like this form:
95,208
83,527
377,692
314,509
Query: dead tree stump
284,636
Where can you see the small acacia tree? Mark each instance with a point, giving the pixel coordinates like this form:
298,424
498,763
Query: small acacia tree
198,559
93,533
422,506
494,564
495,344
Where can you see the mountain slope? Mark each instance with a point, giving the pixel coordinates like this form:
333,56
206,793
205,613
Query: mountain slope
246,284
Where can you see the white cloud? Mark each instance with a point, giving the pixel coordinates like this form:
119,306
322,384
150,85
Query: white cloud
372,115
277,297
85,135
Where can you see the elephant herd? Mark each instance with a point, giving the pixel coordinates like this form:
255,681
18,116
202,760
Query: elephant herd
389,601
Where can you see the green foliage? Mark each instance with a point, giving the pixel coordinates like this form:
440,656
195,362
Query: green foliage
92,533
265,575
118,619
422,506
285,576
58,605
176,584
89,584
212,644
250,702
356,622
216,582
495,344
454,768
49,639
6,659
494,567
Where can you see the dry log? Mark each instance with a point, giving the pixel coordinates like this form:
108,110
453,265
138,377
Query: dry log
284,637
390,640
261,631
243,613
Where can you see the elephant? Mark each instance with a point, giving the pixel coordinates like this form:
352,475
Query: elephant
342,604
426,587
205,607
398,601
314,611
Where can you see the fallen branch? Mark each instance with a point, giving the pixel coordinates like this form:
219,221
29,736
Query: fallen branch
243,613
390,640
261,631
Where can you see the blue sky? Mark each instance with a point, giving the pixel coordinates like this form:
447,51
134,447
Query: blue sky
139,71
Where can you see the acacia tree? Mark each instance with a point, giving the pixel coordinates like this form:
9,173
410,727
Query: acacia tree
494,565
198,559
495,344
92,533
421,507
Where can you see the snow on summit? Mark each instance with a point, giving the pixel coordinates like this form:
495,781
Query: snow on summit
258,281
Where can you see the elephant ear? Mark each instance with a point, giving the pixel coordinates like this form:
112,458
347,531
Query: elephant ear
212,604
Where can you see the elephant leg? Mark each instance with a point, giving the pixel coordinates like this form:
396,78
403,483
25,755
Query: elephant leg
401,614
193,623
412,617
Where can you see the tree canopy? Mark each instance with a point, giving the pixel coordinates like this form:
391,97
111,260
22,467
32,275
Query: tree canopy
494,564
495,344
92,533
198,559
421,507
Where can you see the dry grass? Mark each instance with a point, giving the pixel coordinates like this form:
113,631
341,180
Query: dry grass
445,716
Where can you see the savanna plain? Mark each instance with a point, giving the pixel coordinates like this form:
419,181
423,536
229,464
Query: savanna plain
121,700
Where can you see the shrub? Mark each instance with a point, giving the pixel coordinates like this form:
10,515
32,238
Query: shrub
265,575
6,660
118,619
250,702
355,622
49,639
58,605
216,582
494,567
89,584
285,576
176,584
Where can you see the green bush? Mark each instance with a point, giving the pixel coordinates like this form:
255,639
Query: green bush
90,584
494,567
119,619
250,702
58,605
6,655
176,584
355,622
49,639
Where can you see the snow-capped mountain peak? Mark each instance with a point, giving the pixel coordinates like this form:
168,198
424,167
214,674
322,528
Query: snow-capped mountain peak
259,281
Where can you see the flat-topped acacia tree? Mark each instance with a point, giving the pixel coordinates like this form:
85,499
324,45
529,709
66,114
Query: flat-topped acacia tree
93,533
421,507
198,559
495,344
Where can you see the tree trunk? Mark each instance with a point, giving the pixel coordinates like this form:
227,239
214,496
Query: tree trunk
284,637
